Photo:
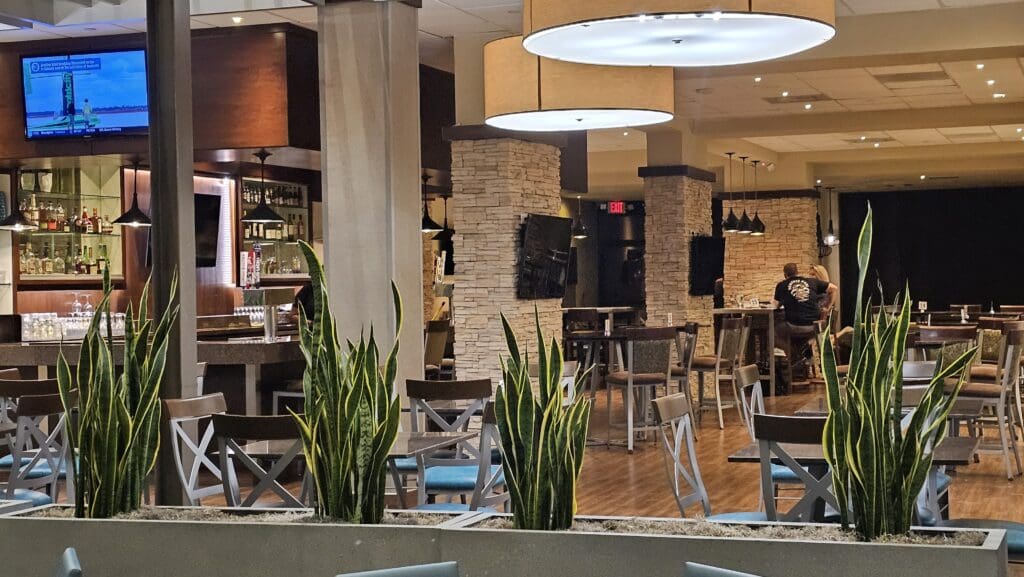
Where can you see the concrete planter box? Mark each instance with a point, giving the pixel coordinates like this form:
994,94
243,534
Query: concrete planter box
206,548
9,507
251,547
511,553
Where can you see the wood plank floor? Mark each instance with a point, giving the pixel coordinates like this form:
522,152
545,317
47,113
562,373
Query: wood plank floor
614,482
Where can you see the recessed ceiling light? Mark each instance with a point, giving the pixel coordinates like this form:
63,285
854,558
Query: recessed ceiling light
818,181
785,94
757,79
237,19
808,106
863,138
998,95
625,133
979,66
923,177
1019,130
878,144
990,82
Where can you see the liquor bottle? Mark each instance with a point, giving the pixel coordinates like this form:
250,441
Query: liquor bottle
257,265
23,258
102,261
79,263
83,221
46,265
108,227
96,224
90,264
290,227
58,263
69,261
32,263
301,232
61,218
33,210
51,216
296,264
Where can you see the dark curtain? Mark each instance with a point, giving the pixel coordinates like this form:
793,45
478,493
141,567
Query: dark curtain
949,246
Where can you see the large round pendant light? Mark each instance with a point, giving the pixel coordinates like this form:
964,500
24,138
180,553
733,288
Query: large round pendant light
528,93
675,32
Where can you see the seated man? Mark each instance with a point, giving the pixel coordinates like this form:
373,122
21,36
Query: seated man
802,299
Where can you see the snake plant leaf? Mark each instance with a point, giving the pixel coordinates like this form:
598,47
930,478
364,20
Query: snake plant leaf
542,435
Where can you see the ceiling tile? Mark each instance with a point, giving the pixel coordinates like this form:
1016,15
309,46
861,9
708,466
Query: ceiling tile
877,6
863,104
508,16
442,20
224,20
905,69
305,15
918,137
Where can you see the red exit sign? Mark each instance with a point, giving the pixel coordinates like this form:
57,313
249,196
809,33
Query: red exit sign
616,207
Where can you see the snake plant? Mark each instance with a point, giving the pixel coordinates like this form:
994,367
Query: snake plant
879,459
542,435
114,420
352,412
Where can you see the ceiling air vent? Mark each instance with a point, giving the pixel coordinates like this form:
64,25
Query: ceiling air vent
908,77
800,99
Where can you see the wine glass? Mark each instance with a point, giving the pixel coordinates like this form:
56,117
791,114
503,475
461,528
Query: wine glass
87,307
76,307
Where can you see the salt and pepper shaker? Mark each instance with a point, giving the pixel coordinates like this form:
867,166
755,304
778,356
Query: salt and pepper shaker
607,327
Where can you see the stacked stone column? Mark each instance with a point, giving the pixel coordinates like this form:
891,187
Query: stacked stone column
678,205
497,180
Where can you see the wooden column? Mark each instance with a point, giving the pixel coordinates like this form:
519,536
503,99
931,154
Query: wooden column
370,151
169,71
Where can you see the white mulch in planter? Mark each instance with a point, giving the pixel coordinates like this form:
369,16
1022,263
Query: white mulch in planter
701,528
209,514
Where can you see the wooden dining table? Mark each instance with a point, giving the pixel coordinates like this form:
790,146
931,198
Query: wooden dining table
407,445
963,409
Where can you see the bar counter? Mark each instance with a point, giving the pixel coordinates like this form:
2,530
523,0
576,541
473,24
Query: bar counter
251,353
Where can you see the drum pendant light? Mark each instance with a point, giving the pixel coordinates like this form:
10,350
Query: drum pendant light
831,239
675,32
134,217
528,93
579,230
744,226
757,227
731,223
263,213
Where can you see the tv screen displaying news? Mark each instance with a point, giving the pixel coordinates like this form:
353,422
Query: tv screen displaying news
71,95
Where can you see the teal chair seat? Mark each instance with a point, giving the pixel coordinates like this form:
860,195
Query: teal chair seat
37,498
926,517
739,517
783,474
7,461
449,569
698,570
405,465
1014,533
460,478
42,468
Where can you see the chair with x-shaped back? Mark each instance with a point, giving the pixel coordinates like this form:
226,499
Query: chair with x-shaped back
185,417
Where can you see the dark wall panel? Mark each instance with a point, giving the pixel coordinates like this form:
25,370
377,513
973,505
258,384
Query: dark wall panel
949,246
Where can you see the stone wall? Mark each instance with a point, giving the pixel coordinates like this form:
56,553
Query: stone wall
495,183
677,207
428,277
753,265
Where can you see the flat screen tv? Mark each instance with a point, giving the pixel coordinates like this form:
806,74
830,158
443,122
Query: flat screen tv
207,231
87,94
544,257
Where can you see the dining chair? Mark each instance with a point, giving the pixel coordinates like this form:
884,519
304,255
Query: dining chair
568,381
576,323
449,473
190,449
38,454
772,433
732,342
231,429
648,356
675,419
748,380
69,565
435,342
698,570
424,400
449,569
1000,398
13,386
686,349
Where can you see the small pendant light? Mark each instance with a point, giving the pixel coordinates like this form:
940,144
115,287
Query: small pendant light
263,213
428,225
446,232
134,217
756,226
744,225
579,230
731,223
831,239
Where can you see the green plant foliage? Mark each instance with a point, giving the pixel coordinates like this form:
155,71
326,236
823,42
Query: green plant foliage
351,414
879,463
114,420
542,437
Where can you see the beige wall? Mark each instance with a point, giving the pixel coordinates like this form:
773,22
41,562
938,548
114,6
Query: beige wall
753,265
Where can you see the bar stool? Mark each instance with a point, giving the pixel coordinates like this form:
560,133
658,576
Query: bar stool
648,356
732,342
435,366
686,349
579,322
